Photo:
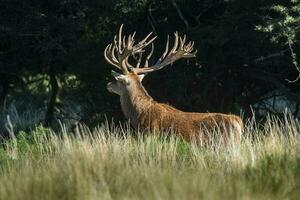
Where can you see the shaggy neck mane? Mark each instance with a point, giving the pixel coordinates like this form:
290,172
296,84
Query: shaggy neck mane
136,102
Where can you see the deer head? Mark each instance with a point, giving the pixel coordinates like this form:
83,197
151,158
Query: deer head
123,48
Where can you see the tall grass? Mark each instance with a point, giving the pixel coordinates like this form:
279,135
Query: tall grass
109,163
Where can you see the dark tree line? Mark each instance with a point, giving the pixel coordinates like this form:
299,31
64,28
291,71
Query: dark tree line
248,53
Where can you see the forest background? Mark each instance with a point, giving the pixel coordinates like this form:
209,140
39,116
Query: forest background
51,56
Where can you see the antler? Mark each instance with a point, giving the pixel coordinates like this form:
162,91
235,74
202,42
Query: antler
178,51
118,52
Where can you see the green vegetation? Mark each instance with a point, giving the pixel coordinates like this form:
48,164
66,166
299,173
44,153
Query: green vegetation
109,163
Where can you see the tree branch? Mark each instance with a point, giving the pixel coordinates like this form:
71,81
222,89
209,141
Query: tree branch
186,23
273,55
151,18
55,89
295,63
268,77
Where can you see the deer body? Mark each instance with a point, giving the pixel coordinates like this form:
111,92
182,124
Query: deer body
143,112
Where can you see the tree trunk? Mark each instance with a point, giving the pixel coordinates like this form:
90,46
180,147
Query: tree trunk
4,89
55,88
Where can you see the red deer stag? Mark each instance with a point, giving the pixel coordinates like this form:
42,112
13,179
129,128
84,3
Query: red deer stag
138,106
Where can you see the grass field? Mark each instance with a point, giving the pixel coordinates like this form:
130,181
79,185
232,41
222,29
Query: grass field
108,163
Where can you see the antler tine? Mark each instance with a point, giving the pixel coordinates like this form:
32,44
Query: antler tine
175,44
165,52
128,64
189,48
110,59
120,37
178,51
129,41
113,54
115,41
142,45
139,60
193,44
124,41
117,47
169,59
167,48
182,41
149,55
133,34
118,52
146,38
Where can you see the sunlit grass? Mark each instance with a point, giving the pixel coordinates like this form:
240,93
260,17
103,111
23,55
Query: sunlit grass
109,163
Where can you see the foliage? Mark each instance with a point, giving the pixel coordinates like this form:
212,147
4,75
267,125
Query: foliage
109,163
284,28
285,25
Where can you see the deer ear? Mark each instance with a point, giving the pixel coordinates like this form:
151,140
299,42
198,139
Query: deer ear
115,74
141,77
120,77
